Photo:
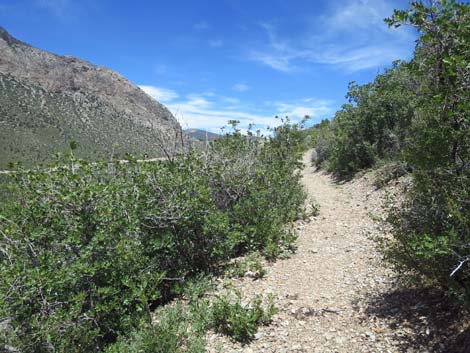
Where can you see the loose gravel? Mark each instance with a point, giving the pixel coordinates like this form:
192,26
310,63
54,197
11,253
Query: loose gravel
334,294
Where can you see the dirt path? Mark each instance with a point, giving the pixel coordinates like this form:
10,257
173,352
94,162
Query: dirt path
334,295
324,289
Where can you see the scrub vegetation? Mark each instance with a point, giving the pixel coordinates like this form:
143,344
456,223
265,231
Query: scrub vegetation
117,256
415,117
88,249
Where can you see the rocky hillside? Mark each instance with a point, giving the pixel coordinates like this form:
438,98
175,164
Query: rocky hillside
48,100
201,135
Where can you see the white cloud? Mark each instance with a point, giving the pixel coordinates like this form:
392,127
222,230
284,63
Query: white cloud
276,61
197,112
361,58
230,100
359,14
160,94
198,101
314,108
241,87
202,114
278,55
351,36
210,111
363,22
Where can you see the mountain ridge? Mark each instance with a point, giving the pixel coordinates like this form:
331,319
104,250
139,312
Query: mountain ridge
201,135
93,101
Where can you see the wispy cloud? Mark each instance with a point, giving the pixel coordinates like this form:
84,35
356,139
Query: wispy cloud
352,37
277,61
361,58
215,42
358,14
241,87
61,9
160,94
230,100
212,112
278,55
202,25
312,107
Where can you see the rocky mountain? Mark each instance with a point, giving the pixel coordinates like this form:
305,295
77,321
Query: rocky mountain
201,135
49,100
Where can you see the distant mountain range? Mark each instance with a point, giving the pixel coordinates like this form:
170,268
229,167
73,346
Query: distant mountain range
49,100
201,135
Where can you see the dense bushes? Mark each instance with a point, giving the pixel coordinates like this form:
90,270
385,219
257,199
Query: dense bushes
432,227
374,125
418,115
240,321
182,326
87,249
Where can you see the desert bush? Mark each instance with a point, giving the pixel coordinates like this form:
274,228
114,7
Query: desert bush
74,271
231,317
87,249
432,227
374,125
179,329
390,171
8,189
432,233
181,326
262,192
251,266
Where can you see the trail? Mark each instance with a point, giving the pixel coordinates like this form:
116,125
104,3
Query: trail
325,289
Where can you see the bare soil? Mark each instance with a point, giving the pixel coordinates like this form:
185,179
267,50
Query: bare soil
335,294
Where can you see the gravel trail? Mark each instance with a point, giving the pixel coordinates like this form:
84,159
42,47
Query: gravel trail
333,294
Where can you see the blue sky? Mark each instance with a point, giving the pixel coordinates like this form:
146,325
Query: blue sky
215,60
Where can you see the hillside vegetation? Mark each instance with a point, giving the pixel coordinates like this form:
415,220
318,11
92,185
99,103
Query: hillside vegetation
48,101
416,115
37,123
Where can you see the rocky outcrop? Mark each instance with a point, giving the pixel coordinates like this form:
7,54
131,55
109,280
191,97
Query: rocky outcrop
76,86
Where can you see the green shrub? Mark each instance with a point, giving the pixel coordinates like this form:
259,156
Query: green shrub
88,249
262,191
179,329
432,228
74,271
249,265
389,172
240,322
431,232
374,125
7,191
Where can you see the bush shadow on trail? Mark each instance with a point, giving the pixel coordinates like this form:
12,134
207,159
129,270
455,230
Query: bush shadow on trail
422,320
337,179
